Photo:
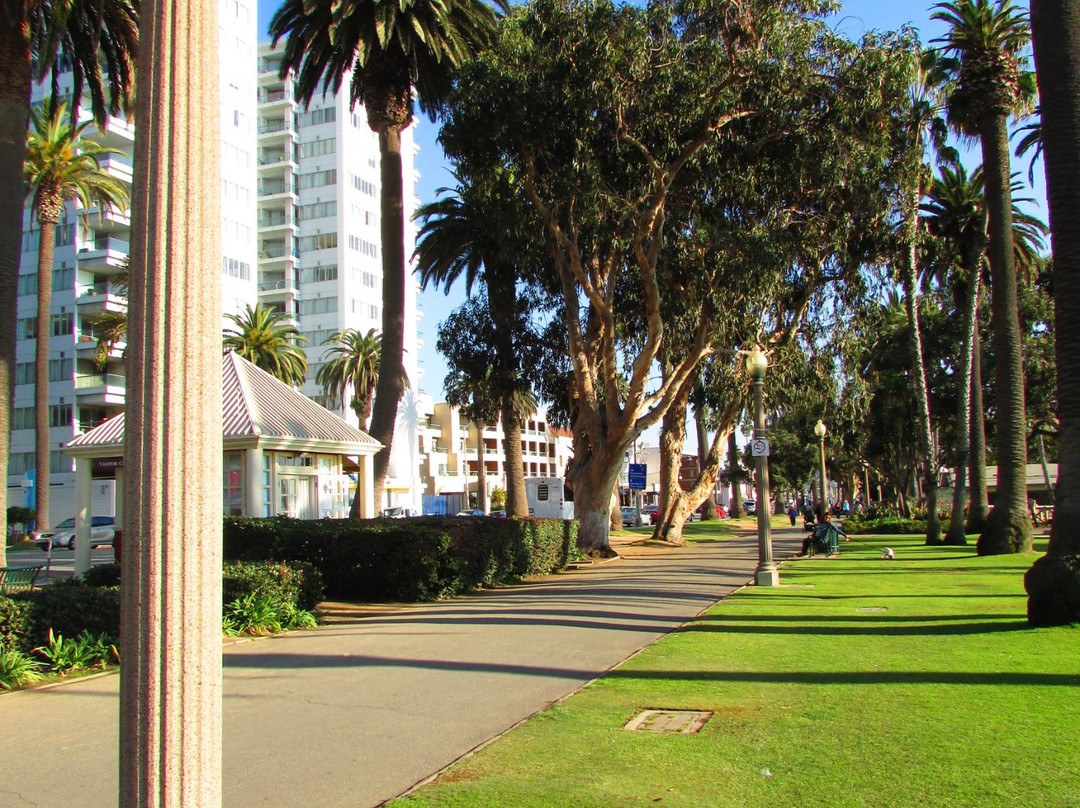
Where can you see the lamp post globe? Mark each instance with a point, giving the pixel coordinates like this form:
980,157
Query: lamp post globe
766,573
820,429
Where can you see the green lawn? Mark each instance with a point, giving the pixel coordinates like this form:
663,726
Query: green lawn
863,682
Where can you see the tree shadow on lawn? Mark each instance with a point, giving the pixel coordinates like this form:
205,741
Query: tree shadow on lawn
851,618
297,661
798,627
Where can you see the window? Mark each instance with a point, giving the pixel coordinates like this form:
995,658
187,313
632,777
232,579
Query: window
318,179
369,279
318,116
28,284
24,373
320,241
362,185
60,415
319,274
317,148
62,324
354,242
235,268
22,418
373,312
318,305
319,210
60,463
233,484
62,279
27,328
317,337
20,462
60,369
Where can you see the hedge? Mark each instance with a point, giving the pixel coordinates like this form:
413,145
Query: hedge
297,584
407,559
889,525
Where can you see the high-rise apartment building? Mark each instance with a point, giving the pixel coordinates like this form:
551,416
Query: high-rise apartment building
91,255
320,258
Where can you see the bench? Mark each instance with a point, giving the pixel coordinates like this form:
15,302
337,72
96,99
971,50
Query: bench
825,539
19,579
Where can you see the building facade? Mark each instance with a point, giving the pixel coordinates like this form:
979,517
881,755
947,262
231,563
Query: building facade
319,242
90,264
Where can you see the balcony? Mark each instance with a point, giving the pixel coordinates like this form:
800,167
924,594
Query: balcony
273,130
102,296
105,254
104,389
276,222
109,219
276,289
86,345
118,166
277,191
269,99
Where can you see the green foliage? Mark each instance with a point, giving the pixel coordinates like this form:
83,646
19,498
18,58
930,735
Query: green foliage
103,575
15,624
294,583
18,515
498,498
17,670
253,614
887,525
268,340
71,607
407,560
84,652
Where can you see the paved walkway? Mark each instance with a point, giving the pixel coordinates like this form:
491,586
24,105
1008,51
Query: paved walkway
357,712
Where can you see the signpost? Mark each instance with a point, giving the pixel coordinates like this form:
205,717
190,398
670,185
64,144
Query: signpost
638,473
759,447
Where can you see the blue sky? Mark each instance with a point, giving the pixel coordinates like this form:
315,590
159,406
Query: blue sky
855,18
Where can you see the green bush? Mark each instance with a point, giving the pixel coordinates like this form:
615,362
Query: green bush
17,670
888,525
407,559
70,607
294,583
103,575
15,625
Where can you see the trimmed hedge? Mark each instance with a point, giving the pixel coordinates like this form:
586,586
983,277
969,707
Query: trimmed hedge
70,607
888,525
15,625
295,584
407,559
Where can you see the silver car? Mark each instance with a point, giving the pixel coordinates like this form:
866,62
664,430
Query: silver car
102,531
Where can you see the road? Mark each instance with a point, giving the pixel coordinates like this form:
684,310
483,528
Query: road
355,713
63,561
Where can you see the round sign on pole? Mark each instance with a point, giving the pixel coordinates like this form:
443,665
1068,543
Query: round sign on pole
759,447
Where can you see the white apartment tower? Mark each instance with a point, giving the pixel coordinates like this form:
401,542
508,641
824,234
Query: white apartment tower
320,258
92,250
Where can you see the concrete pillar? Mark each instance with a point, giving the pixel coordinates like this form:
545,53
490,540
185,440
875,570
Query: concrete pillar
366,481
253,482
118,498
83,483
170,687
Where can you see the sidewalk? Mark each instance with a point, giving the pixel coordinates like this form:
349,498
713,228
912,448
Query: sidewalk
357,712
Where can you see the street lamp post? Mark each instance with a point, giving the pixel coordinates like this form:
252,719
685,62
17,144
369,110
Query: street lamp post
766,573
820,430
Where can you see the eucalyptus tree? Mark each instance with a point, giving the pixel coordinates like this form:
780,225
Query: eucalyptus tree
479,231
986,41
606,112
395,52
62,166
1053,582
99,39
266,338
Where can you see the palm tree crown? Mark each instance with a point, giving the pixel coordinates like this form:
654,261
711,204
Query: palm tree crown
355,366
264,338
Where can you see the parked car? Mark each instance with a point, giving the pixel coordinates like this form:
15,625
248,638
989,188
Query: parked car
474,512
721,513
396,512
750,506
498,514
102,531
631,516
653,512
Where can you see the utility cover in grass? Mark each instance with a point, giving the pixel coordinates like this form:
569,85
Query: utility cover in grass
686,722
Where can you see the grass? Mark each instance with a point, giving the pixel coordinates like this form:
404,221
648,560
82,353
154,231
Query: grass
863,682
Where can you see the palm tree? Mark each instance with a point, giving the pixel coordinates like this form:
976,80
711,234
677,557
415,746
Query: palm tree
393,49
986,39
61,166
265,338
475,396
355,367
955,214
475,230
110,330
99,37
1053,582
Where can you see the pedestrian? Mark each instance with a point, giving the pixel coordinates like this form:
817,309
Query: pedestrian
792,512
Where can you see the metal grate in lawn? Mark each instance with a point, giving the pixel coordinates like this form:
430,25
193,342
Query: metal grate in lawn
686,722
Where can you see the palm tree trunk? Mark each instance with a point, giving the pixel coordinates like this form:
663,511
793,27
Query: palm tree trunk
391,384
1053,582
736,508
926,431
1008,528
14,117
979,500
41,370
517,504
955,534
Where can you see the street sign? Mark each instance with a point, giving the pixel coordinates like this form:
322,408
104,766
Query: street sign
638,473
759,447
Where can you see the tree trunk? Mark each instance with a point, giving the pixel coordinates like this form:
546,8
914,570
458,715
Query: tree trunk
708,507
1008,527
170,691
14,117
391,385
1045,467
955,534
672,437
481,476
736,509
517,504
1053,582
979,499
41,371
593,494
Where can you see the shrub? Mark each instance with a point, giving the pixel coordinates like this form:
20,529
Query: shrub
70,607
407,559
295,583
103,575
85,651
17,670
888,525
15,625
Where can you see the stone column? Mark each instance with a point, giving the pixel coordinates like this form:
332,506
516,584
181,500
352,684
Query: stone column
170,686
366,481
83,484
253,482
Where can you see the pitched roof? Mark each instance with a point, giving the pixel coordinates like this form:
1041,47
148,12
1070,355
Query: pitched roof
257,406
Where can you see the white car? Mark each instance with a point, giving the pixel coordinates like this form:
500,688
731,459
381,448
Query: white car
102,531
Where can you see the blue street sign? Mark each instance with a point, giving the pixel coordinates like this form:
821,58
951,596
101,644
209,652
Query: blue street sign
638,472
29,488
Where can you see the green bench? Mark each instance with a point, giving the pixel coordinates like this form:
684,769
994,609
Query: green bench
826,539
19,579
